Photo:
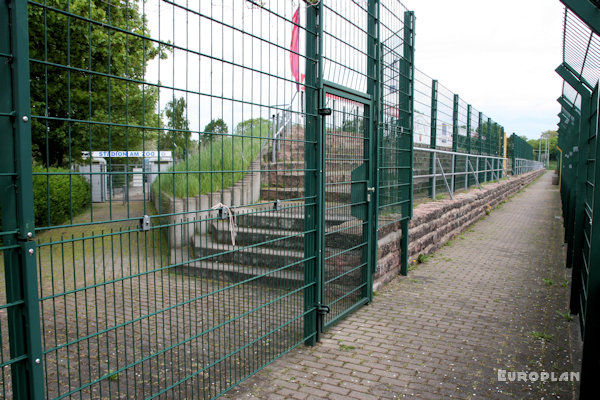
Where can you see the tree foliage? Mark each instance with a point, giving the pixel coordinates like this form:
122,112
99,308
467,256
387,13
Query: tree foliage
552,137
177,137
86,79
216,126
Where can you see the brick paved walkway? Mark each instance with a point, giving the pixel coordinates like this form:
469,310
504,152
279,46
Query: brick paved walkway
488,300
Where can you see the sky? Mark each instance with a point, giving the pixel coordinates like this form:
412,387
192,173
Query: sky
499,56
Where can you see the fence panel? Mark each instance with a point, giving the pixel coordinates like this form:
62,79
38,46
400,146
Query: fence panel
169,171
199,202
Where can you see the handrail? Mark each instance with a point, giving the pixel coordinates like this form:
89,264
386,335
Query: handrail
489,166
286,118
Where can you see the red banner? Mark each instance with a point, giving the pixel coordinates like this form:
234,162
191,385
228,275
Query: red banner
295,48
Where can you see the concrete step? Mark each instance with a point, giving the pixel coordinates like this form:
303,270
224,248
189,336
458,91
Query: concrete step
266,256
279,239
296,178
290,220
332,194
235,273
338,236
258,256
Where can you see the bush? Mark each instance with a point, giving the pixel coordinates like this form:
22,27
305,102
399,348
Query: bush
58,196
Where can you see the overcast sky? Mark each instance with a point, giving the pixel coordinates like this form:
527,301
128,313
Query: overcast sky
498,56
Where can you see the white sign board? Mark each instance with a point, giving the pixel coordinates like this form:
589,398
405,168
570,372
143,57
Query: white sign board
140,154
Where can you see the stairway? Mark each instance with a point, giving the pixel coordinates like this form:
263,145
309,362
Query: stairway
269,242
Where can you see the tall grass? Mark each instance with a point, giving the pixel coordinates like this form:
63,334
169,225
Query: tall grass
219,164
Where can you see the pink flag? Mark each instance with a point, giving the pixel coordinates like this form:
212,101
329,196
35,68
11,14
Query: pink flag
295,48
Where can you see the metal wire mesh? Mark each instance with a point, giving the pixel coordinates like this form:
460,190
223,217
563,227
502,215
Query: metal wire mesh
192,115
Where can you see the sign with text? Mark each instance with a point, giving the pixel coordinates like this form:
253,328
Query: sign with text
140,154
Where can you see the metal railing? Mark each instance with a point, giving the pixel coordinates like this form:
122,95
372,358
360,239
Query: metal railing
282,123
522,166
474,165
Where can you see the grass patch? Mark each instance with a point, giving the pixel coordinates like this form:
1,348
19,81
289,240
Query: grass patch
541,335
422,258
112,376
345,347
219,164
566,315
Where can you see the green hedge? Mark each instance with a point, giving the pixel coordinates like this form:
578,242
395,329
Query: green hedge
58,196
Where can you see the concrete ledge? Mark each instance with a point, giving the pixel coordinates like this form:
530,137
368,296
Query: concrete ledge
436,223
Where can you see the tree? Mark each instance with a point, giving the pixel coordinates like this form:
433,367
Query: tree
84,72
552,137
177,138
216,126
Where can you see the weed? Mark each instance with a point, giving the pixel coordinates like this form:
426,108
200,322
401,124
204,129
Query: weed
566,315
548,281
345,347
422,258
541,335
565,284
113,376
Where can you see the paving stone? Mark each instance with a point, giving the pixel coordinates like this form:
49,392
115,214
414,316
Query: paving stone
446,329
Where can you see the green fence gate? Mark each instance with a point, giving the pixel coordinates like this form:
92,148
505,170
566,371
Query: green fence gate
192,189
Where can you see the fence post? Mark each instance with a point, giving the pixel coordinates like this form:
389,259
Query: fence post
454,138
24,332
489,140
407,86
374,72
312,185
469,127
433,135
480,145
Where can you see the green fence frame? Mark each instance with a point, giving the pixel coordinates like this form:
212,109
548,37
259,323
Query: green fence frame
579,172
108,286
114,301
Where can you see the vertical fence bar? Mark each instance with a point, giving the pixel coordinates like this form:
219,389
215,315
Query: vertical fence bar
488,139
455,123
480,128
312,186
407,85
374,77
17,211
469,127
433,135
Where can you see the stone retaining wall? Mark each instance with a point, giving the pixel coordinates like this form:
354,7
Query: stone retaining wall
435,223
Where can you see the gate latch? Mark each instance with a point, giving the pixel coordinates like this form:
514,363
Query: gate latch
325,111
323,309
145,223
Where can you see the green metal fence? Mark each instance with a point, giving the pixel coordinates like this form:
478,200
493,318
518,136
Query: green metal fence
192,190
205,192
580,194
456,147
522,156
